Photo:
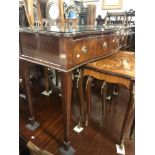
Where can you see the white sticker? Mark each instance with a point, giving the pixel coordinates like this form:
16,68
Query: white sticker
120,150
46,93
78,129
32,137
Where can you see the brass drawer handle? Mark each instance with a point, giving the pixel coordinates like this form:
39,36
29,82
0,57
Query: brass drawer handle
105,44
84,49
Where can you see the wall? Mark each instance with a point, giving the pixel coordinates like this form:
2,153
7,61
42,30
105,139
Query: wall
127,5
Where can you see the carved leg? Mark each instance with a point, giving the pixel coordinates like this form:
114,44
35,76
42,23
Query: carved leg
25,76
56,78
128,115
66,88
88,98
47,92
103,93
80,90
46,79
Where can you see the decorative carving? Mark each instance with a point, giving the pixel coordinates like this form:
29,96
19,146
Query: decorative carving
100,20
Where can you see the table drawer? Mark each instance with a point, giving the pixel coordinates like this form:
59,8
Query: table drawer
84,50
106,44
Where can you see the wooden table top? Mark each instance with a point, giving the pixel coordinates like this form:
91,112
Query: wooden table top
121,63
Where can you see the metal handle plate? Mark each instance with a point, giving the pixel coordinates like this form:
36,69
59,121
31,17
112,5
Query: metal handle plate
105,44
84,49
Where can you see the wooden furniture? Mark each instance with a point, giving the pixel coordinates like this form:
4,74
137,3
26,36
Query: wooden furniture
118,18
130,17
118,69
65,50
115,18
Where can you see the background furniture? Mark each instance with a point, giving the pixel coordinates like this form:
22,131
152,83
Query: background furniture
115,18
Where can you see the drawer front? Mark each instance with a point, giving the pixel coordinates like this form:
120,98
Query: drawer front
106,44
84,50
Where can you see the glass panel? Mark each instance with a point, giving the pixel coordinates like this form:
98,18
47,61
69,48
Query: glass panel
65,30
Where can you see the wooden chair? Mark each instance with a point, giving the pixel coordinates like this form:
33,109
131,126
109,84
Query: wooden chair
129,17
118,69
115,18
34,150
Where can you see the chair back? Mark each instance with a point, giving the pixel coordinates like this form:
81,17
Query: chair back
115,18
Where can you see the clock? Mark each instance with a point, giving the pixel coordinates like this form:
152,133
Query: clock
54,12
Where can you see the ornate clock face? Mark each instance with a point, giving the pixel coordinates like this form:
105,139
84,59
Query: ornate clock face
54,11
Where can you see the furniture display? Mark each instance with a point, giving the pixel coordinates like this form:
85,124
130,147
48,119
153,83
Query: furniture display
65,49
118,68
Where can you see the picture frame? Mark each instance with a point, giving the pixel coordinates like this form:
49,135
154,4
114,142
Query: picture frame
112,4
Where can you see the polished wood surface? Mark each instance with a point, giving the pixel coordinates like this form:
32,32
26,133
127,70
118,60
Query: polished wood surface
121,63
93,140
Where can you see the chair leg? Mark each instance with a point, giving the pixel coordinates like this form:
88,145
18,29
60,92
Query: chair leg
88,98
46,79
103,93
128,115
132,130
80,91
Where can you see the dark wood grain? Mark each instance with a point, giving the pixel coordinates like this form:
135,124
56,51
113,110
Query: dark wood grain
65,53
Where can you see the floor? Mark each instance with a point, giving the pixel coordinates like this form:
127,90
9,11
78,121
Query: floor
93,140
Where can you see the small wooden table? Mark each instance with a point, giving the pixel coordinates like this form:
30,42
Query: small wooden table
118,68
